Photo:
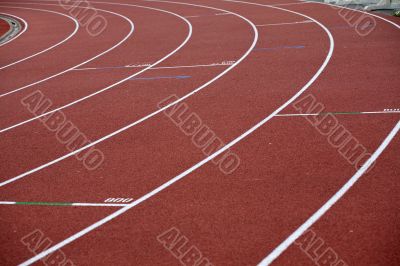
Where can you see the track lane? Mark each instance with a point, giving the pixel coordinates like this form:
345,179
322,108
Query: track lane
15,50
368,207
38,219
86,90
15,83
48,48
144,114
383,41
177,45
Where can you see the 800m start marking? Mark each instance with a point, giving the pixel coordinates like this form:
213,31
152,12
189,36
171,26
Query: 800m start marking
124,200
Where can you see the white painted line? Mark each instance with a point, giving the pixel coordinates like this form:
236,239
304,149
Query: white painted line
116,83
335,198
134,123
195,66
339,194
51,47
286,23
111,67
7,202
165,67
80,64
19,34
151,114
198,165
62,204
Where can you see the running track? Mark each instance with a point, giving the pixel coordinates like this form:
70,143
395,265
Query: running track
239,67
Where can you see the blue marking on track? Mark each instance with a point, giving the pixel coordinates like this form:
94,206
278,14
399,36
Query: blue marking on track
279,48
162,77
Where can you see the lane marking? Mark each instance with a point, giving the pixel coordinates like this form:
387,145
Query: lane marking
198,165
162,77
279,48
116,83
117,200
78,204
315,217
20,33
159,110
224,63
51,47
335,198
80,64
111,67
285,23
342,113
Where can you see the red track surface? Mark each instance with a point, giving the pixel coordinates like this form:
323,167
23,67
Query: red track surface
288,169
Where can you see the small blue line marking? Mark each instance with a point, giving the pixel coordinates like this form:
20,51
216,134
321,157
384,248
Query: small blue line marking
162,77
280,47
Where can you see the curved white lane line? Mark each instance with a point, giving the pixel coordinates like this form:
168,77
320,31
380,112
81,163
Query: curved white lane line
76,66
342,191
99,223
114,84
201,163
128,126
51,47
22,31
335,198
155,112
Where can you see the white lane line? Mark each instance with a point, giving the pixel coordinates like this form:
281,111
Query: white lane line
335,198
285,23
190,31
165,67
78,204
51,47
21,32
8,202
198,165
116,83
340,193
155,112
151,114
80,64
341,113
